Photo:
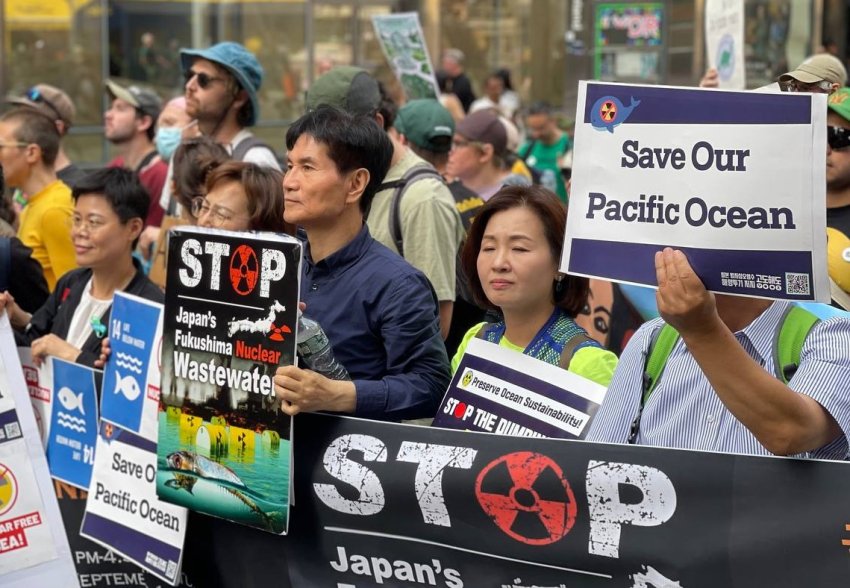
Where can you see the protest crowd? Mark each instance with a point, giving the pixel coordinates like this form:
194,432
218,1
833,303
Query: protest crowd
425,229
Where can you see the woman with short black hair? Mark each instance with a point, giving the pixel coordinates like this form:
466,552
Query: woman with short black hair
110,206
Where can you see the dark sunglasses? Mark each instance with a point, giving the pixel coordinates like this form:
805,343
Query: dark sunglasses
34,95
838,137
204,79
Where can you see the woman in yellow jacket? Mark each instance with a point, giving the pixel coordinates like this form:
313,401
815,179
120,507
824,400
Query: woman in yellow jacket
510,260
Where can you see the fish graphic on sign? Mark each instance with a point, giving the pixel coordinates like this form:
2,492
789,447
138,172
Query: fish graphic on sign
609,112
71,402
128,386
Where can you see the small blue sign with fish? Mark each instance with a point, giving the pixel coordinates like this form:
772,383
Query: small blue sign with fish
609,112
132,334
73,424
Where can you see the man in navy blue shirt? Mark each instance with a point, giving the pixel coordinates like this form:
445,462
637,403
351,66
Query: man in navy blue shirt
379,312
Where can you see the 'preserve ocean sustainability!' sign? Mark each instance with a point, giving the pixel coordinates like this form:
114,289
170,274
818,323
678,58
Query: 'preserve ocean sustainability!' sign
230,313
736,180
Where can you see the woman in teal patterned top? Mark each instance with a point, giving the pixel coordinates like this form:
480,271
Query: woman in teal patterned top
511,262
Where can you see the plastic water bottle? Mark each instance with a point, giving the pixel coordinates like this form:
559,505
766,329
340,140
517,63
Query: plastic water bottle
315,349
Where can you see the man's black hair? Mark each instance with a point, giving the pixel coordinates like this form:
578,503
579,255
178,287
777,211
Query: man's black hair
352,142
388,108
120,187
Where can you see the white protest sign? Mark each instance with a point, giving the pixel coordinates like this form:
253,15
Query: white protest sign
498,390
736,180
403,44
123,512
34,550
39,382
724,40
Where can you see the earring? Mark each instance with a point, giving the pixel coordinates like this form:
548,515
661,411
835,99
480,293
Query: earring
559,287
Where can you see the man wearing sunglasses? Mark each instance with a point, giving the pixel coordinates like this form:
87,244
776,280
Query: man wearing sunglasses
838,196
58,107
819,74
221,93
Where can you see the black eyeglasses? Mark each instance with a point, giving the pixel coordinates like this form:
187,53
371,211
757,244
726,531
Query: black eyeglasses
35,95
837,138
204,79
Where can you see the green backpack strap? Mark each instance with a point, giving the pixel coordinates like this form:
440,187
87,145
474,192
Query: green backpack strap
660,346
796,324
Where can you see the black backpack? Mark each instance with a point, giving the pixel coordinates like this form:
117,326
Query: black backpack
244,146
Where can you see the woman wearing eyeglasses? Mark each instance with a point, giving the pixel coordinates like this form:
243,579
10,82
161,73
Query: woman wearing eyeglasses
511,261
109,210
242,196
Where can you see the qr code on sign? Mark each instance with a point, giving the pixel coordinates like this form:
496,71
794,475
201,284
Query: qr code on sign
797,284
13,430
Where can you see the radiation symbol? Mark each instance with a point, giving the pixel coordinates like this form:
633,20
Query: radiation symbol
244,270
276,333
528,497
467,378
8,489
608,111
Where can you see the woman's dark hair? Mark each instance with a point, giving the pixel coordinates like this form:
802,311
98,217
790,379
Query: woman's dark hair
552,213
505,75
194,159
121,188
352,142
388,109
264,188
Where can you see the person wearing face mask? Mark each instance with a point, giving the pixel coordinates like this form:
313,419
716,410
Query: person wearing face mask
173,125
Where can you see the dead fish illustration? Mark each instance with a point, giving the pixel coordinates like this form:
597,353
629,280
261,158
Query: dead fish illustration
210,470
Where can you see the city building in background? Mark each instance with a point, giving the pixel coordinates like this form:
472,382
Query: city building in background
548,45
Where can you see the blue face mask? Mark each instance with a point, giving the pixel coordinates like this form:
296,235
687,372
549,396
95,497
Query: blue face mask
167,140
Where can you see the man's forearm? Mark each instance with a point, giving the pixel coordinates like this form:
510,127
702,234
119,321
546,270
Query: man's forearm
783,420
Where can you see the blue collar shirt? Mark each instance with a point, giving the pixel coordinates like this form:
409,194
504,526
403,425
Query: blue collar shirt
382,319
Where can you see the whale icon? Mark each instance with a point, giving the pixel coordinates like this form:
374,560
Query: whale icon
609,112
128,386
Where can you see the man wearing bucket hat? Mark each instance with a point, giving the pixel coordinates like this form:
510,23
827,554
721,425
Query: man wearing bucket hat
838,196
58,107
413,212
129,125
221,88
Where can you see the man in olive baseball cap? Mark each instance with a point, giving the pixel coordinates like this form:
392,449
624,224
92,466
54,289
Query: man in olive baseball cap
58,107
348,88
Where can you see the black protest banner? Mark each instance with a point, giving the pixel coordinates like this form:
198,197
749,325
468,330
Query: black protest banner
229,322
381,504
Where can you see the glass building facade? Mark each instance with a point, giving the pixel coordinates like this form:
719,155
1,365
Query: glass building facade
548,45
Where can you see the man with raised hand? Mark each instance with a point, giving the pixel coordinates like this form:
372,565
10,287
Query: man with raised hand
717,390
